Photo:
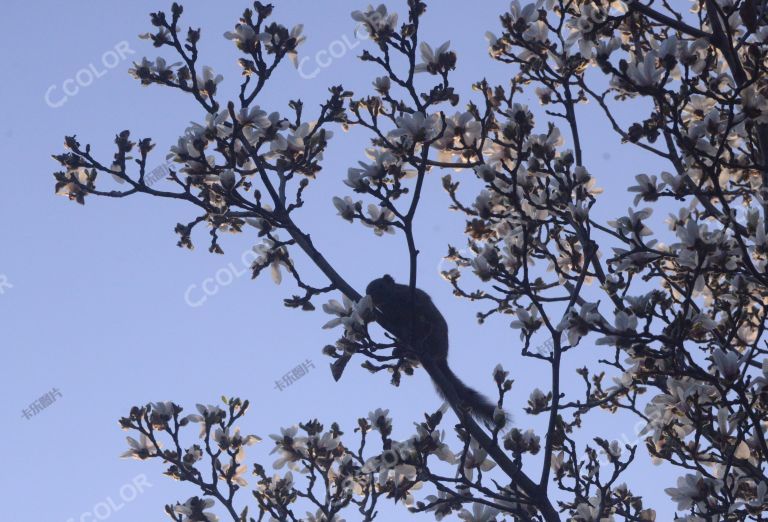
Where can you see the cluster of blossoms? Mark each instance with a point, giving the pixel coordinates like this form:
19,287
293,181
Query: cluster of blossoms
349,480
673,317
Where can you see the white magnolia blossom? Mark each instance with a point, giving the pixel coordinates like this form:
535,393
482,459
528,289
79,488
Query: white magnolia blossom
477,458
353,316
590,511
346,207
416,127
140,449
272,255
462,130
692,489
431,57
274,39
479,513
207,82
644,72
380,220
297,140
193,508
376,20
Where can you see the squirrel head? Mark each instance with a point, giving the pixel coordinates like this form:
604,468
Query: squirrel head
379,288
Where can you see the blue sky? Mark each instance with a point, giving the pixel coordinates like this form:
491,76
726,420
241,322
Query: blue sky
93,299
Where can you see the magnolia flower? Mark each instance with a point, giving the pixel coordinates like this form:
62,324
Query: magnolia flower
761,382
159,68
625,326
353,316
753,104
193,510
227,441
632,225
207,83
527,320
380,220
278,35
252,116
544,145
477,458
605,48
68,183
590,512
691,489
434,441
462,130
613,451
346,207
234,474
480,513
384,163
319,516
356,179
645,73
415,127
244,36
522,441
556,461
382,84
647,188
496,46
578,324
292,449
482,268
377,22
208,416
693,54
227,179
675,181
269,254
257,125
380,420
523,15
537,401
297,140
141,449
433,59
192,455
485,172
582,25
727,363
697,108
582,176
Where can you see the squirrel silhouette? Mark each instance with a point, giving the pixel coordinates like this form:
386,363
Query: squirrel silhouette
417,322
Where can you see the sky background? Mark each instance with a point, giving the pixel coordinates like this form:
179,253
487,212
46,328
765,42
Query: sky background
97,308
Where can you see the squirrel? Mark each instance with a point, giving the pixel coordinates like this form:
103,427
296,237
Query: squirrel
415,319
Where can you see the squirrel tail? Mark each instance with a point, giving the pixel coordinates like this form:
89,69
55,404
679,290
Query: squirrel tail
479,406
